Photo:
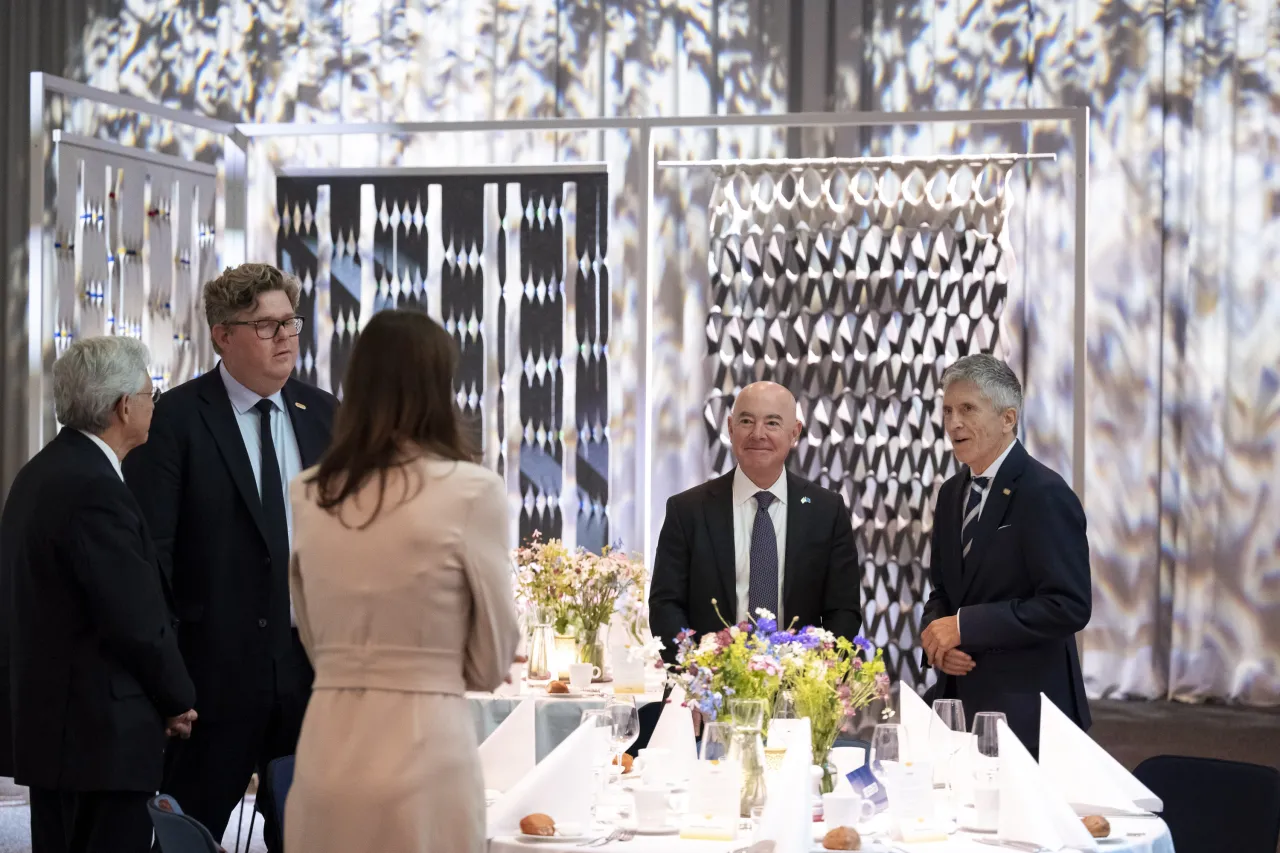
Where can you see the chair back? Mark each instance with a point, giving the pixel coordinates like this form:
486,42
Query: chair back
1215,806
279,779
177,832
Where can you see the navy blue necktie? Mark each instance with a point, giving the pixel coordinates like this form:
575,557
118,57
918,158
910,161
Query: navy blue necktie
763,588
272,488
977,488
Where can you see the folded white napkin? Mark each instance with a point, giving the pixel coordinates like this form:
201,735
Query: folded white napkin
561,785
788,809
1084,773
674,733
1031,810
916,718
510,750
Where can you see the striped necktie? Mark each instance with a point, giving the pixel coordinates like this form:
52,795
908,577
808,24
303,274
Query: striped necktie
977,488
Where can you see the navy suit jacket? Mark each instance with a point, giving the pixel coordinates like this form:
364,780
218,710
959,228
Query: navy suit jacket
1025,592
695,563
195,485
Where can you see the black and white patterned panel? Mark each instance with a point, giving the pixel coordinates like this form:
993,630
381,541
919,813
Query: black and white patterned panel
530,249
133,245
855,287
592,313
298,252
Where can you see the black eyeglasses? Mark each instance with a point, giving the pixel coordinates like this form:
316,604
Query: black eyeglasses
268,329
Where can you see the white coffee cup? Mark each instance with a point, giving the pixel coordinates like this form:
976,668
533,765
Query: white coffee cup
845,808
655,763
580,675
651,807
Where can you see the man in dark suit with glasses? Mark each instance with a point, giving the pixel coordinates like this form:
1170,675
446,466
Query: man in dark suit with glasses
213,482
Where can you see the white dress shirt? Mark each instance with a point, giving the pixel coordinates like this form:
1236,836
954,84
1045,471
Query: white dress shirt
288,457
992,470
744,522
106,448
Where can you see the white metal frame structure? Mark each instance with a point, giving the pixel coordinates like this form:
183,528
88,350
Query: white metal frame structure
232,236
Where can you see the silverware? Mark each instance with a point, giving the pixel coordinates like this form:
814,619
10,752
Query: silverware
1024,846
602,840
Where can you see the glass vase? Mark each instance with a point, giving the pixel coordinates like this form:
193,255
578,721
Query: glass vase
748,750
591,648
540,638
564,651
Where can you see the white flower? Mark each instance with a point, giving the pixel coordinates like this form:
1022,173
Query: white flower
734,631
764,614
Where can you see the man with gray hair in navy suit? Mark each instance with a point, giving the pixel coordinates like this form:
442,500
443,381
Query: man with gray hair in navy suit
1009,563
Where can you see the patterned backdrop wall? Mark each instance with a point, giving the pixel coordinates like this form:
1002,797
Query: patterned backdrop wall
513,266
854,284
133,243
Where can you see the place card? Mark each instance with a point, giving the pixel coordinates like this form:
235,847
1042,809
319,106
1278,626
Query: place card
714,791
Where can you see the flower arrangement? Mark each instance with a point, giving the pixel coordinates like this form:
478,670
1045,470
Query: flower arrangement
574,589
829,677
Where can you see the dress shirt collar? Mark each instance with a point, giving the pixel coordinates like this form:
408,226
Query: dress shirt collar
106,448
242,399
744,490
994,467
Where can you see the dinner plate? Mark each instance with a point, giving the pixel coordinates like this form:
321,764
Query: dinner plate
668,829
570,695
568,834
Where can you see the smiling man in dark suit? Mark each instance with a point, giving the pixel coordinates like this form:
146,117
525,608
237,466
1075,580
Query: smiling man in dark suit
1009,563
757,537
213,482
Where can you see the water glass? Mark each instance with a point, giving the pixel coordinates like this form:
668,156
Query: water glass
716,740
888,750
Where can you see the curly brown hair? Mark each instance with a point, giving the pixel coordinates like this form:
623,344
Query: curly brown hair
238,288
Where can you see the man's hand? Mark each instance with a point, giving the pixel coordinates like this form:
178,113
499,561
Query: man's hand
180,726
940,637
956,662
519,659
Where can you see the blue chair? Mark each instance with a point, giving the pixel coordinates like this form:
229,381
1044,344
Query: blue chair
275,792
1214,806
177,832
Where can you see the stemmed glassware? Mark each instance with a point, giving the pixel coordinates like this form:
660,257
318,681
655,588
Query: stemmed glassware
888,750
946,736
626,723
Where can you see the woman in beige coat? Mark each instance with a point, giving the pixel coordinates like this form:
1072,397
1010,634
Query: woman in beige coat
401,585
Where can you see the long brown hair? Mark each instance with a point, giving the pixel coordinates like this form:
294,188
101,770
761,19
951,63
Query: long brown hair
398,397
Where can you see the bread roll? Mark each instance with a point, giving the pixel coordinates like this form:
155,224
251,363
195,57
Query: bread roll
842,838
627,763
1098,826
538,824
557,687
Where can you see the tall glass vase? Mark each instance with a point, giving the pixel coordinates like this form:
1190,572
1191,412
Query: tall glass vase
591,647
539,650
748,750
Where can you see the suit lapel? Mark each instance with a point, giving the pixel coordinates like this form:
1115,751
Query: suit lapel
720,526
221,420
796,528
307,429
993,512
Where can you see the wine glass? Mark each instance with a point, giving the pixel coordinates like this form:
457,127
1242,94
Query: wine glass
626,723
986,768
601,722
783,722
716,740
946,731
888,749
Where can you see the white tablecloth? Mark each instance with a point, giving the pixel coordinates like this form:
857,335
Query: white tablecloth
555,718
1128,835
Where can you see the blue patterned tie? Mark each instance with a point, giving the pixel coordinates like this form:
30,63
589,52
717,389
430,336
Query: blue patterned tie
763,590
977,488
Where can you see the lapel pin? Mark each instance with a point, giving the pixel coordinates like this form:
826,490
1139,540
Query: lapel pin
1006,491
304,408
804,500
